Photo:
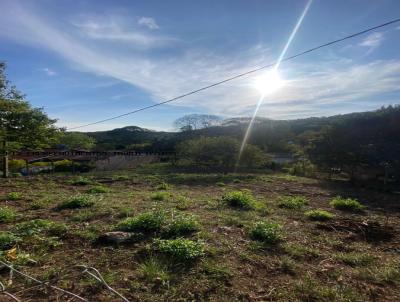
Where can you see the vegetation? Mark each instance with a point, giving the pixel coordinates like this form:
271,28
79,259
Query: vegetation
266,232
7,240
292,202
346,204
77,202
98,189
240,199
319,215
181,249
7,214
77,140
14,196
145,222
182,225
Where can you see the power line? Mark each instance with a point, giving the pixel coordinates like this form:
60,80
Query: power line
240,75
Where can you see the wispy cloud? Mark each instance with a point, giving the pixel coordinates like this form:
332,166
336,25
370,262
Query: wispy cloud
148,22
49,71
373,40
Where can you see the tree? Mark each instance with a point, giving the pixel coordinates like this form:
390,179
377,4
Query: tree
77,140
196,121
22,126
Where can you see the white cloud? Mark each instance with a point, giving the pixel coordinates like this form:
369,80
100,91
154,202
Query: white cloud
373,40
148,22
49,72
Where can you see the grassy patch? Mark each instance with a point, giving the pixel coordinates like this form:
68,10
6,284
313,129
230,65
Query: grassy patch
81,181
38,226
77,202
182,225
7,240
319,215
240,199
346,204
356,259
288,266
153,270
180,249
7,214
98,189
266,232
292,202
159,196
14,196
183,203
146,222
163,186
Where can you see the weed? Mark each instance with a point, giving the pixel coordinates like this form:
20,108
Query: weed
81,181
146,222
319,215
346,204
288,266
7,214
14,196
77,202
120,177
220,184
7,240
180,249
183,225
183,203
240,199
98,189
153,269
300,252
292,202
38,226
216,271
162,186
266,232
356,259
159,196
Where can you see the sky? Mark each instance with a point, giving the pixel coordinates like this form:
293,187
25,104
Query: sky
84,61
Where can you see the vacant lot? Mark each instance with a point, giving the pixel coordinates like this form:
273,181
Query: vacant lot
199,237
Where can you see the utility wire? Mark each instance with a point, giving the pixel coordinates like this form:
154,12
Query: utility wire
242,74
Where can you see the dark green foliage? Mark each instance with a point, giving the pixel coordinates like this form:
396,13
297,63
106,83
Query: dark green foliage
7,240
240,199
146,222
266,232
319,215
82,201
346,204
180,249
292,202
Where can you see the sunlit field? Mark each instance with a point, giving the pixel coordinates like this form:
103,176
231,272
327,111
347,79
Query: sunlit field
155,234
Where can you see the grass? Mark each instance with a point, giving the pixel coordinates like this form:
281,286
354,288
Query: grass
163,186
14,196
40,226
146,223
159,196
240,199
183,203
7,214
81,181
346,204
77,202
182,250
266,232
153,270
182,225
356,259
319,215
98,190
292,202
7,240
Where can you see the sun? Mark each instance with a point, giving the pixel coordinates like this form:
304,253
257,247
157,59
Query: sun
269,82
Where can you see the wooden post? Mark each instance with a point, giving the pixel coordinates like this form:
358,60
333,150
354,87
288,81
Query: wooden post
5,160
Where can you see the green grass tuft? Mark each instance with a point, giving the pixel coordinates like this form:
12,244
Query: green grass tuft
14,196
7,214
77,202
266,232
146,222
292,202
182,225
346,204
159,196
163,186
39,226
81,181
240,199
7,240
319,215
153,270
98,189
180,249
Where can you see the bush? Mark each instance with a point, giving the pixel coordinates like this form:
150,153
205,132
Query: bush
146,222
7,240
14,196
98,189
240,199
292,202
181,249
16,164
159,196
346,204
77,202
182,225
266,232
6,214
38,226
319,215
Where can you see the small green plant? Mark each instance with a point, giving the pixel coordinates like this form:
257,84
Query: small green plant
220,184
146,222
346,204
7,214
356,259
266,232
183,225
292,202
7,240
77,202
183,203
98,189
39,226
162,186
81,181
288,266
319,215
153,269
240,199
180,249
159,196
14,196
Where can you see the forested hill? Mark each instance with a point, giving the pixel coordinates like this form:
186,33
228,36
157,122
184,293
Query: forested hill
381,126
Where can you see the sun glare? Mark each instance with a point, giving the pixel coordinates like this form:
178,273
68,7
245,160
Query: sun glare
269,82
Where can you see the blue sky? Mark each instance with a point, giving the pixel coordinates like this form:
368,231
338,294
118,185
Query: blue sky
89,60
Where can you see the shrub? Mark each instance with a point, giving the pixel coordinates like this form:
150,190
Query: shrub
183,203
180,248
14,196
38,226
319,215
146,222
182,225
266,232
346,204
292,202
159,196
81,181
7,240
16,164
163,186
240,199
98,189
76,202
7,214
